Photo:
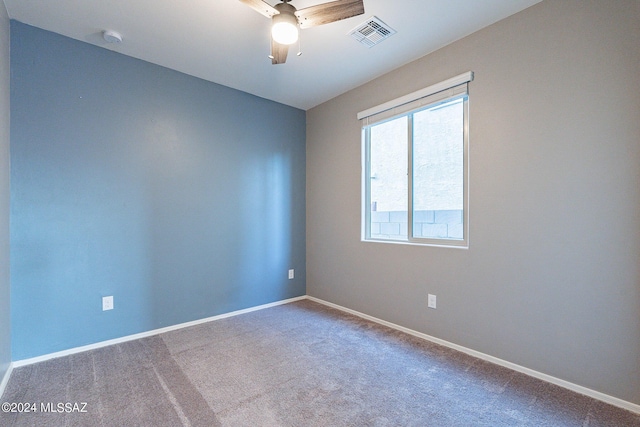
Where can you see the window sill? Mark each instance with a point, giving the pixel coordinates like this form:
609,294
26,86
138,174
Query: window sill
461,245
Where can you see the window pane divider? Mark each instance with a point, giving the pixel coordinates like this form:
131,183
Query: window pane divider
410,178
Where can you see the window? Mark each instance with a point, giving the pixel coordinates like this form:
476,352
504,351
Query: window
415,161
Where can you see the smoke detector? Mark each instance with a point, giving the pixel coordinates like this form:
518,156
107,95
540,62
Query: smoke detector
111,36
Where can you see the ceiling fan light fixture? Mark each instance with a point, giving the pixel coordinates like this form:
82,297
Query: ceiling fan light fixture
284,29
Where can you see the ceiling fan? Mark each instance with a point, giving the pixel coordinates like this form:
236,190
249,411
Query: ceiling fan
286,19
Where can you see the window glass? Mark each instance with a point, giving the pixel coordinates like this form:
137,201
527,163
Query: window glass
388,180
438,172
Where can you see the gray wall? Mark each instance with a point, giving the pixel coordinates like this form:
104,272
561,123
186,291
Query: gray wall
5,319
181,198
551,280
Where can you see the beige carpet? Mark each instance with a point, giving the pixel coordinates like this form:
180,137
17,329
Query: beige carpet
300,364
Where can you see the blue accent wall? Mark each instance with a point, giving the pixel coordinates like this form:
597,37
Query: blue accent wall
5,318
182,198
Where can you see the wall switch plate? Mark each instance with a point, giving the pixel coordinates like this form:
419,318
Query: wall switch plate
431,302
291,274
107,303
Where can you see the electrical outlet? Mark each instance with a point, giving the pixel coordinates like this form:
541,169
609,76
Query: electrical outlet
431,301
107,303
291,274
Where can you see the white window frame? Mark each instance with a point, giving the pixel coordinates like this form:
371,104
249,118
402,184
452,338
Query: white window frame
440,93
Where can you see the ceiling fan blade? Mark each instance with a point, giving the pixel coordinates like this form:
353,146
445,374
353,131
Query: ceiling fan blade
278,52
261,7
329,12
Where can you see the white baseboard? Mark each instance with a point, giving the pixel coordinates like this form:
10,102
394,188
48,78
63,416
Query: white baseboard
548,378
5,380
24,362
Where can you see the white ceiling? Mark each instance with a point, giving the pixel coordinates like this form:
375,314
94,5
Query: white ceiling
226,42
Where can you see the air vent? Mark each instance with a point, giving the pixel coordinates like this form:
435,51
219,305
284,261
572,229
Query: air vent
371,32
